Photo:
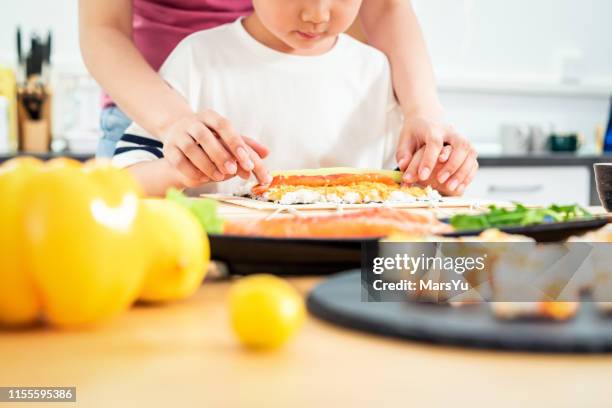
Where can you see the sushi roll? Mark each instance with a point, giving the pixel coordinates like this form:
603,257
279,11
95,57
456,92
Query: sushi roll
530,282
600,263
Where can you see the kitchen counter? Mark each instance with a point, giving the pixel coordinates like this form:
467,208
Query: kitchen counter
548,159
538,178
184,354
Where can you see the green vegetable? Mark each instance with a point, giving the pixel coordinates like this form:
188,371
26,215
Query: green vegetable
518,216
205,210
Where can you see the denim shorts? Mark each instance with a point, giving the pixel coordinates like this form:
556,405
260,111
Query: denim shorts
113,123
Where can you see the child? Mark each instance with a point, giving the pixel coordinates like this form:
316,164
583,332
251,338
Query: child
290,79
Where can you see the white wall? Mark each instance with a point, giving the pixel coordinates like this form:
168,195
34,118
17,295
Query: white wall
518,39
507,62
498,61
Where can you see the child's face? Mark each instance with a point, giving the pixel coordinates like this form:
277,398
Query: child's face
307,25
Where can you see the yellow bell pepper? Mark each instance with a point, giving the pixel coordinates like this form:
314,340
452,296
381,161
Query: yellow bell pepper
72,242
19,302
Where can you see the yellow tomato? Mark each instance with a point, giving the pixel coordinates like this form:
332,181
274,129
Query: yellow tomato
180,252
84,241
265,311
19,303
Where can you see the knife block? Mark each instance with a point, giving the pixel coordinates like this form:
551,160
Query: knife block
34,134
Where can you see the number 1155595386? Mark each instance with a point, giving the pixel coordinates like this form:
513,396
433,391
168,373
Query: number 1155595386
37,394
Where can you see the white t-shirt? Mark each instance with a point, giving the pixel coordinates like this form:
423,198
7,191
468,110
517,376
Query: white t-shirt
336,109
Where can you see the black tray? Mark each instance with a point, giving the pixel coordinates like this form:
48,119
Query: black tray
338,300
244,255
553,232
286,256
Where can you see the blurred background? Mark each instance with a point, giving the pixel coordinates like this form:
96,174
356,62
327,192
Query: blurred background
543,63
520,78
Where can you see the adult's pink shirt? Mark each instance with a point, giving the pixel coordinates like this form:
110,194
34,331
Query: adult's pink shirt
159,25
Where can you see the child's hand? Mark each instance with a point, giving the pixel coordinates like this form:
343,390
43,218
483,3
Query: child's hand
204,147
191,182
429,138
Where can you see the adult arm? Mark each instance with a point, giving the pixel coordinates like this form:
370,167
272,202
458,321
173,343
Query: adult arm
392,27
105,30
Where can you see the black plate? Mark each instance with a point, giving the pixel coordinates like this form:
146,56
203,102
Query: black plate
338,300
553,232
286,256
246,255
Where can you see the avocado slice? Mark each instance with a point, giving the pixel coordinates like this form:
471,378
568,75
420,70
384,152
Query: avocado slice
392,174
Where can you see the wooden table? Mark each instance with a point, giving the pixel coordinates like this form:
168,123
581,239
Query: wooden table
184,355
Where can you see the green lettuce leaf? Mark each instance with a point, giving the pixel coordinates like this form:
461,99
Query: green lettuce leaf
205,210
518,216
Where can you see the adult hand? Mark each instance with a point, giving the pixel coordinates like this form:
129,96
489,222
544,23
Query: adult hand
204,147
430,138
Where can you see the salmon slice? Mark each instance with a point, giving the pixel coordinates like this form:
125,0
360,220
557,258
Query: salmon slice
371,223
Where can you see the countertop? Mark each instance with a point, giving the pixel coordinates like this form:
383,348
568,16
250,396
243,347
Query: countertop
547,159
184,354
